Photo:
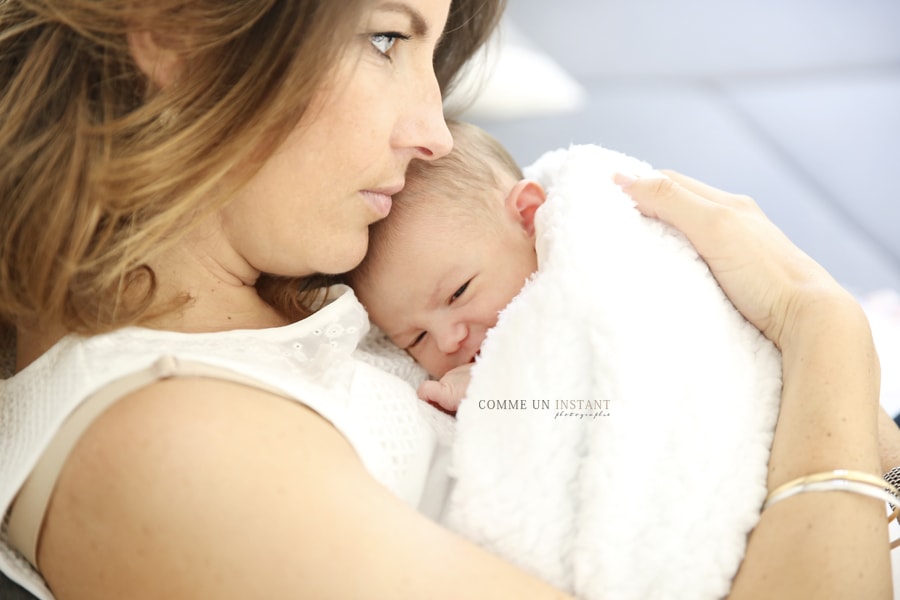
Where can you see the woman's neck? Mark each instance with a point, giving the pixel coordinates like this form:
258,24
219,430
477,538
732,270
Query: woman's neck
203,287
212,287
216,280
218,308
212,309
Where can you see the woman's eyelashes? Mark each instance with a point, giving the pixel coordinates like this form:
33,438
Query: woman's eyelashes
384,42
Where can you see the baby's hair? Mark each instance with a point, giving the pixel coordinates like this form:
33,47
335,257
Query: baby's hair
477,162
463,185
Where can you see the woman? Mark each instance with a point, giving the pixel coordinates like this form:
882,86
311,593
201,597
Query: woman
166,155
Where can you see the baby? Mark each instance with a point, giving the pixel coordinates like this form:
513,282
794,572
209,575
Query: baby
604,349
584,300
456,249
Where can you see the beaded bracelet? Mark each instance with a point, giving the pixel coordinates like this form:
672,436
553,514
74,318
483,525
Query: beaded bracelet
893,478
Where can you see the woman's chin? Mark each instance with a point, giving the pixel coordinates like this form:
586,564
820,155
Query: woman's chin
351,254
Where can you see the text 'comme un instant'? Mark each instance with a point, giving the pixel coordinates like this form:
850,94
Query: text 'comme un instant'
564,408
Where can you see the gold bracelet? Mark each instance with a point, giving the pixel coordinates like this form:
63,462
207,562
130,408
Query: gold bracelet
857,482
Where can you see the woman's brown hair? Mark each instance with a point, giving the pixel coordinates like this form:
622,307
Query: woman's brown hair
98,170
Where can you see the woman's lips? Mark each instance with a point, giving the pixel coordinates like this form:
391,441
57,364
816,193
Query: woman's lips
379,200
379,203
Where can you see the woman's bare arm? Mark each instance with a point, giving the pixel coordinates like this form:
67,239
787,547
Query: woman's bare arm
823,544
196,488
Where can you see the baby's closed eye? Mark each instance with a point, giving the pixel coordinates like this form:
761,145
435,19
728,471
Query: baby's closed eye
459,292
417,339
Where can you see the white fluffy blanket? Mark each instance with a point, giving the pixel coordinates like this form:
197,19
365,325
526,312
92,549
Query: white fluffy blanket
616,431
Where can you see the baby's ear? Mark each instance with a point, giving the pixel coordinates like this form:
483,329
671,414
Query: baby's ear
523,201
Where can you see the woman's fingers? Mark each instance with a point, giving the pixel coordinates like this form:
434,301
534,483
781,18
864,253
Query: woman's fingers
709,192
765,276
694,213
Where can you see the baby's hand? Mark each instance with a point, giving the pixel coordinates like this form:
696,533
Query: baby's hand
450,390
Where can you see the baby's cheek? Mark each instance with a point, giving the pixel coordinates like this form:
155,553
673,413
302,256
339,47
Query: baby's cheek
431,362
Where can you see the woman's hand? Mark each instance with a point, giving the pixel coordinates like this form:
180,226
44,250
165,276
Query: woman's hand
770,281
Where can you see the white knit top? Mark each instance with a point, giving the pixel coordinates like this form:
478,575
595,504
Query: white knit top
318,361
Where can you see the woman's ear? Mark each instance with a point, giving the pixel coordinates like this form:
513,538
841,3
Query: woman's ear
161,64
523,201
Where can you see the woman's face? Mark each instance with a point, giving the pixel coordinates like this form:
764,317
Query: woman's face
309,208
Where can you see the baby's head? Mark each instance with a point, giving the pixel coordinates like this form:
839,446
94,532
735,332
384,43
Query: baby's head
457,246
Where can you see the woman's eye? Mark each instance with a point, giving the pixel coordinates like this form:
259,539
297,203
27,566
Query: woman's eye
383,42
460,291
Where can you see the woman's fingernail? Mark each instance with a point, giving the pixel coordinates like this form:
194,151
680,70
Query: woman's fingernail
624,181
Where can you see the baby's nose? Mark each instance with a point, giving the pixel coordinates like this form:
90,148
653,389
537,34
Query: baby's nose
451,337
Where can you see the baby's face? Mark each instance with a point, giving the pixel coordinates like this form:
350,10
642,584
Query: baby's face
437,288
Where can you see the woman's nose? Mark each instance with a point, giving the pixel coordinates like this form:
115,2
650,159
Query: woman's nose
424,129
451,337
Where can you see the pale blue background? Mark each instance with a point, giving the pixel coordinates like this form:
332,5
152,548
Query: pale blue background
794,102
